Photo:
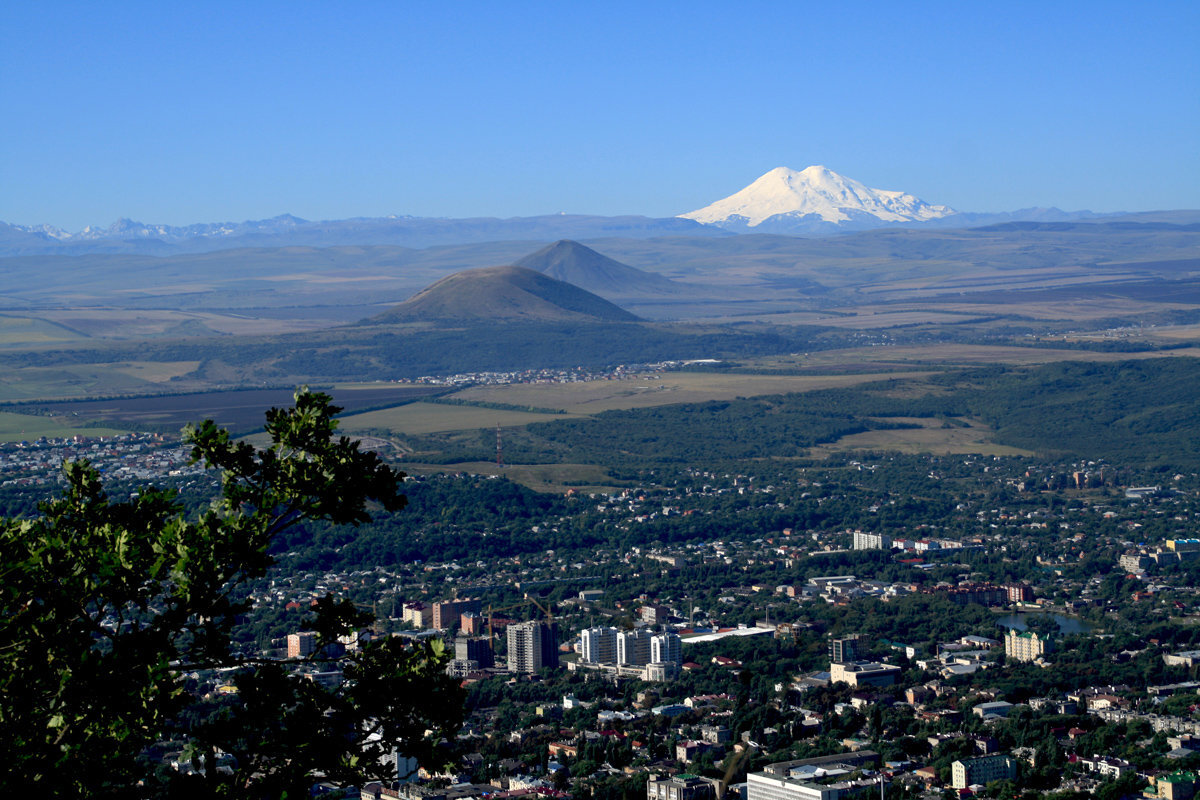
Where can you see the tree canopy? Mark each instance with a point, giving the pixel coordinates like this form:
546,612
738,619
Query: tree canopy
107,607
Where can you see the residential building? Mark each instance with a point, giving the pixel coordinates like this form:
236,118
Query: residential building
633,647
1019,593
417,614
532,646
599,645
477,650
666,648
872,541
447,613
301,645
654,614
982,770
1177,786
1026,645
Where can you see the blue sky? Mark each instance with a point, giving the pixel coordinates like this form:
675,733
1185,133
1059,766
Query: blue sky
173,114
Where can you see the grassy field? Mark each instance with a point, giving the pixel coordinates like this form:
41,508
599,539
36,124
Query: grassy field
237,410
424,418
558,478
117,323
30,330
72,380
934,436
952,355
155,371
867,318
26,427
660,389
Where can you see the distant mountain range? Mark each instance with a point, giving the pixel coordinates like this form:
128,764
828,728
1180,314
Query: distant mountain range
503,294
815,201
129,237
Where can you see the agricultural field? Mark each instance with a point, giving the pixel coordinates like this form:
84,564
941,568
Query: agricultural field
661,389
557,478
118,323
869,318
419,419
87,380
936,436
967,355
28,427
240,411
20,330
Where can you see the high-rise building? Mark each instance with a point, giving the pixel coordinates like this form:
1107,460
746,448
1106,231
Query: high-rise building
477,650
846,649
301,645
532,646
599,645
633,647
666,647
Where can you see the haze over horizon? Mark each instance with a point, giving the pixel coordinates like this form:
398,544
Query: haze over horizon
228,113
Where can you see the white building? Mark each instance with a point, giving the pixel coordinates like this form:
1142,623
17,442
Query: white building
872,541
819,783
633,647
532,646
666,647
599,645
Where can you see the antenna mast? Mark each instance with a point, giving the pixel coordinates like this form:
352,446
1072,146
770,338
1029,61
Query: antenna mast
499,448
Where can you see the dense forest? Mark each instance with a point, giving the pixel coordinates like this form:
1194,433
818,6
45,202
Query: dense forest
1141,413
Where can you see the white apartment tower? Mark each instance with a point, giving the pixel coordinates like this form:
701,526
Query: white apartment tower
666,647
871,541
600,645
633,647
531,646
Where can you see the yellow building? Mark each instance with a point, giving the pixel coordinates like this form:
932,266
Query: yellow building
1177,786
982,770
1026,645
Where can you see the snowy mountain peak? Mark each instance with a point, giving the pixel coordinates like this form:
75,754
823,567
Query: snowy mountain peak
816,194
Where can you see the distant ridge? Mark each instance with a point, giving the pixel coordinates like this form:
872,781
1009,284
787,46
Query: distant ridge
577,264
128,236
504,294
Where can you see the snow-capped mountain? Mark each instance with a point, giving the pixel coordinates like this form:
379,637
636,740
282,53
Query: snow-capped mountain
814,199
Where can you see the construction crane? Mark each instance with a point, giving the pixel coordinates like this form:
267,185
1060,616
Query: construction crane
542,608
735,764
526,601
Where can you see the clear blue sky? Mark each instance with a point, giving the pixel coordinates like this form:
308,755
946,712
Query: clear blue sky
177,113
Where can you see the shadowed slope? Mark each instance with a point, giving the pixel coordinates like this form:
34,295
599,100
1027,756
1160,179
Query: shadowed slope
582,266
507,294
